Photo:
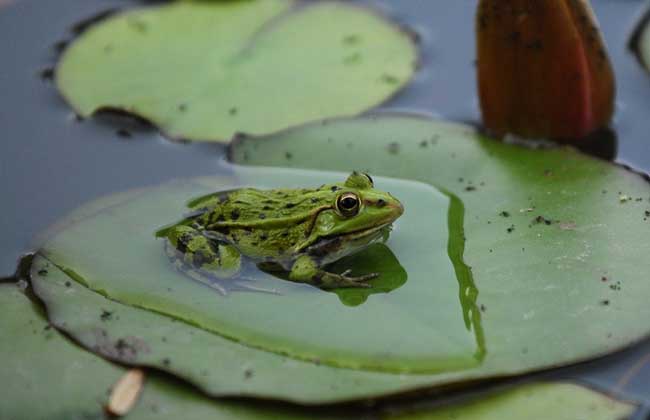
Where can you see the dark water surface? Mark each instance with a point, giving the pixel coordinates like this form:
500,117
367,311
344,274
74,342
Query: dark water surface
50,163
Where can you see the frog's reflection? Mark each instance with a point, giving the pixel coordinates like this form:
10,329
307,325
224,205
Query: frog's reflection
255,278
376,258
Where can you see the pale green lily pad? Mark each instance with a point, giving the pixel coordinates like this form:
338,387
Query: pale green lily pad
51,378
206,70
536,401
555,241
40,369
48,377
297,321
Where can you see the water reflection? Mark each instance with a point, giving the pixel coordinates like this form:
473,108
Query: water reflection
467,290
425,289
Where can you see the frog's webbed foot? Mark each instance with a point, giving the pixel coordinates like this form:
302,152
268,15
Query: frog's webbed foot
243,287
345,280
306,270
204,279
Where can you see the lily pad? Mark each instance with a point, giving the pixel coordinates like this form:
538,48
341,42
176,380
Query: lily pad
51,378
556,240
294,321
38,382
536,401
68,383
252,66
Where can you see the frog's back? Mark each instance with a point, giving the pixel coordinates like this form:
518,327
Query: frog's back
265,224
251,206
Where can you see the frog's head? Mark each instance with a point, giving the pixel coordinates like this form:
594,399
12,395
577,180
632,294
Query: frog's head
358,211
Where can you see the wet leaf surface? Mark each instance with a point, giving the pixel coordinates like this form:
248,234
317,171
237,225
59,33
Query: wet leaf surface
537,401
68,383
49,377
555,239
255,66
293,321
41,370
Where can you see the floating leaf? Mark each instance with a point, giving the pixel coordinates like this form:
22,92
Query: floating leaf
50,378
536,401
206,70
556,240
68,383
41,370
327,339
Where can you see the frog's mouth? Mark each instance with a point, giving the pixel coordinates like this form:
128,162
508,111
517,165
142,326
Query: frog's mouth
380,230
332,248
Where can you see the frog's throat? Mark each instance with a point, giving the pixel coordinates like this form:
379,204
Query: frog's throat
350,236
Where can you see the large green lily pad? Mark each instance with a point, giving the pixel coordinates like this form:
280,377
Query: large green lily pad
293,320
40,368
51,378
536,401
48,377
555,242
205,70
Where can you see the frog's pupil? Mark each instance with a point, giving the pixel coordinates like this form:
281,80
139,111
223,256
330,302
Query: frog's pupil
348,203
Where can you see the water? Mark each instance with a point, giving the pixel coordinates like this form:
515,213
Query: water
50,163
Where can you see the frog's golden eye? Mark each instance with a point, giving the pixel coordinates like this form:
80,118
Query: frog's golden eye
348,204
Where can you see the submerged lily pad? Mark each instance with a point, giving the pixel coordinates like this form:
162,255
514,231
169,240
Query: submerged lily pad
205,70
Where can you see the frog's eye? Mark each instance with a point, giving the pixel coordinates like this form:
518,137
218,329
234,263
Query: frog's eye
372,183
348,204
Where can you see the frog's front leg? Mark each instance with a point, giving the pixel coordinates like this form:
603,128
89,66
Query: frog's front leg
201,258
306,270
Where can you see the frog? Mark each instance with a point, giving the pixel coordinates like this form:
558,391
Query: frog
294,232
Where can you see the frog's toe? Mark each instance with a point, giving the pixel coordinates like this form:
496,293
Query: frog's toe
357,283
359,279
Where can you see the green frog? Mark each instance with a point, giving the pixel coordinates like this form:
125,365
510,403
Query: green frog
293,231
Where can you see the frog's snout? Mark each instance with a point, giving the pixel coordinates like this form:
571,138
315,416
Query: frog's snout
396,207
399,208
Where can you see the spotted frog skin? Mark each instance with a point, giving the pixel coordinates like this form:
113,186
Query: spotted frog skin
295,231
